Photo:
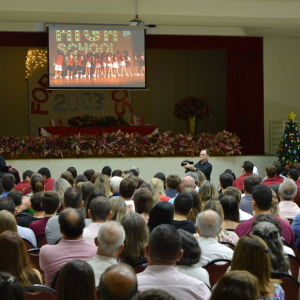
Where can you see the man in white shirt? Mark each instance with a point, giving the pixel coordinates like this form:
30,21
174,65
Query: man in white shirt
164,249
287,191
208,226
99,213
127,189
110,242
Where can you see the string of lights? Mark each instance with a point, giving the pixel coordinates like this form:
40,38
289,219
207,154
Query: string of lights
35,58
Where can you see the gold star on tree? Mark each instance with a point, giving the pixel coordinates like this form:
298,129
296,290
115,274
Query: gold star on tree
291,116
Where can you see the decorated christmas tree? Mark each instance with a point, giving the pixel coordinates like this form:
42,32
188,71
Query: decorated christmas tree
289,147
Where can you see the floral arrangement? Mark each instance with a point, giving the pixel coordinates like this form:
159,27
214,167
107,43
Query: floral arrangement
193,107
90,121
119,144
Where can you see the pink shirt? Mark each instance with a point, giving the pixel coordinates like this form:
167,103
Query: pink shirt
288,209
90,232
54,257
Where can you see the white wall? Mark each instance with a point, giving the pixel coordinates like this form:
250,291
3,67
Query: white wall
148,166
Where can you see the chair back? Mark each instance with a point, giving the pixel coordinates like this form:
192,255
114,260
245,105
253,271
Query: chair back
37,292
34,257
229,229
297,199
216,268
289,284
42,241
140,266
54,284
27,244
294,265
229,245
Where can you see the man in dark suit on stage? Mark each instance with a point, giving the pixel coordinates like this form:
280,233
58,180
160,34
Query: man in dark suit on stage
203,165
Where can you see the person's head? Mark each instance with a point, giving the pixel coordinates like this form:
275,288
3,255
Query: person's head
229,171
287,190
183,204
60,186
37,183
50,202
236,285
215,206
71,223
121,276
7,203
150,187
8,182
250,182
89,174
110,239
270,234
127,188
139,182
80,178
275,204
293,174
36,201
136,237
129,174
279,168
187,182
94,194
45,172
161,213
197,204
191,249
10,287
275,188
73,171
115,184
153,294
73,198
172,182
161,176
7,221
86,189
204,155
106,171
99,209
261,198
143,201
76,281
193,175
158,185
118,208
27,174
226,180
201,176
251,254
67,175
208,223
15,258
207,191
116,173
16,196
234,192
247,167
230,209
135,173
268,218
271,171
15,173
164,246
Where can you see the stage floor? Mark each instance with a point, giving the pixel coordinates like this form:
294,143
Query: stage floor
98,82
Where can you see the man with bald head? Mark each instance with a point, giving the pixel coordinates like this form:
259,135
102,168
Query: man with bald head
71,246
186,182
117,283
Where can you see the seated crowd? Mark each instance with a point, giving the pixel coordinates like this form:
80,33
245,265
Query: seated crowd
111,235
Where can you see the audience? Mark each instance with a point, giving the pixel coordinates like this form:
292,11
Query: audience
236,285
104,179
116,173
25,183
207,191
106,171
71,246
226,180
162,213
8,184
262,201
15,259
158,185
17,198
143,202
271,177
153,294
275,204
110,241
67,175
171,186
163,250
89,174
121,276
99,213
50,204
191,256
201,176
148,186
246,202
73,171
135,168
208,226
197,205
136,237
10,287
87,189
49,182
80,178
7,222
114,185
127,189
287,207
247,170
76,281
186,182
231,212
60,186
118,208
183,206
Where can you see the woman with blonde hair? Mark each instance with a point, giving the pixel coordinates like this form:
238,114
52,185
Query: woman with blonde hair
158,185
104,179
60,186
251,254
136,237
7,221
197,204
67,175
207,191
15,259
201,177
118,208
148,186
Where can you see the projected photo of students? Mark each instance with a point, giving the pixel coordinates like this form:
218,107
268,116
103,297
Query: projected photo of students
96,58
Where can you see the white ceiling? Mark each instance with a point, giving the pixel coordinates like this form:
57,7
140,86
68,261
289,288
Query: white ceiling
203,17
